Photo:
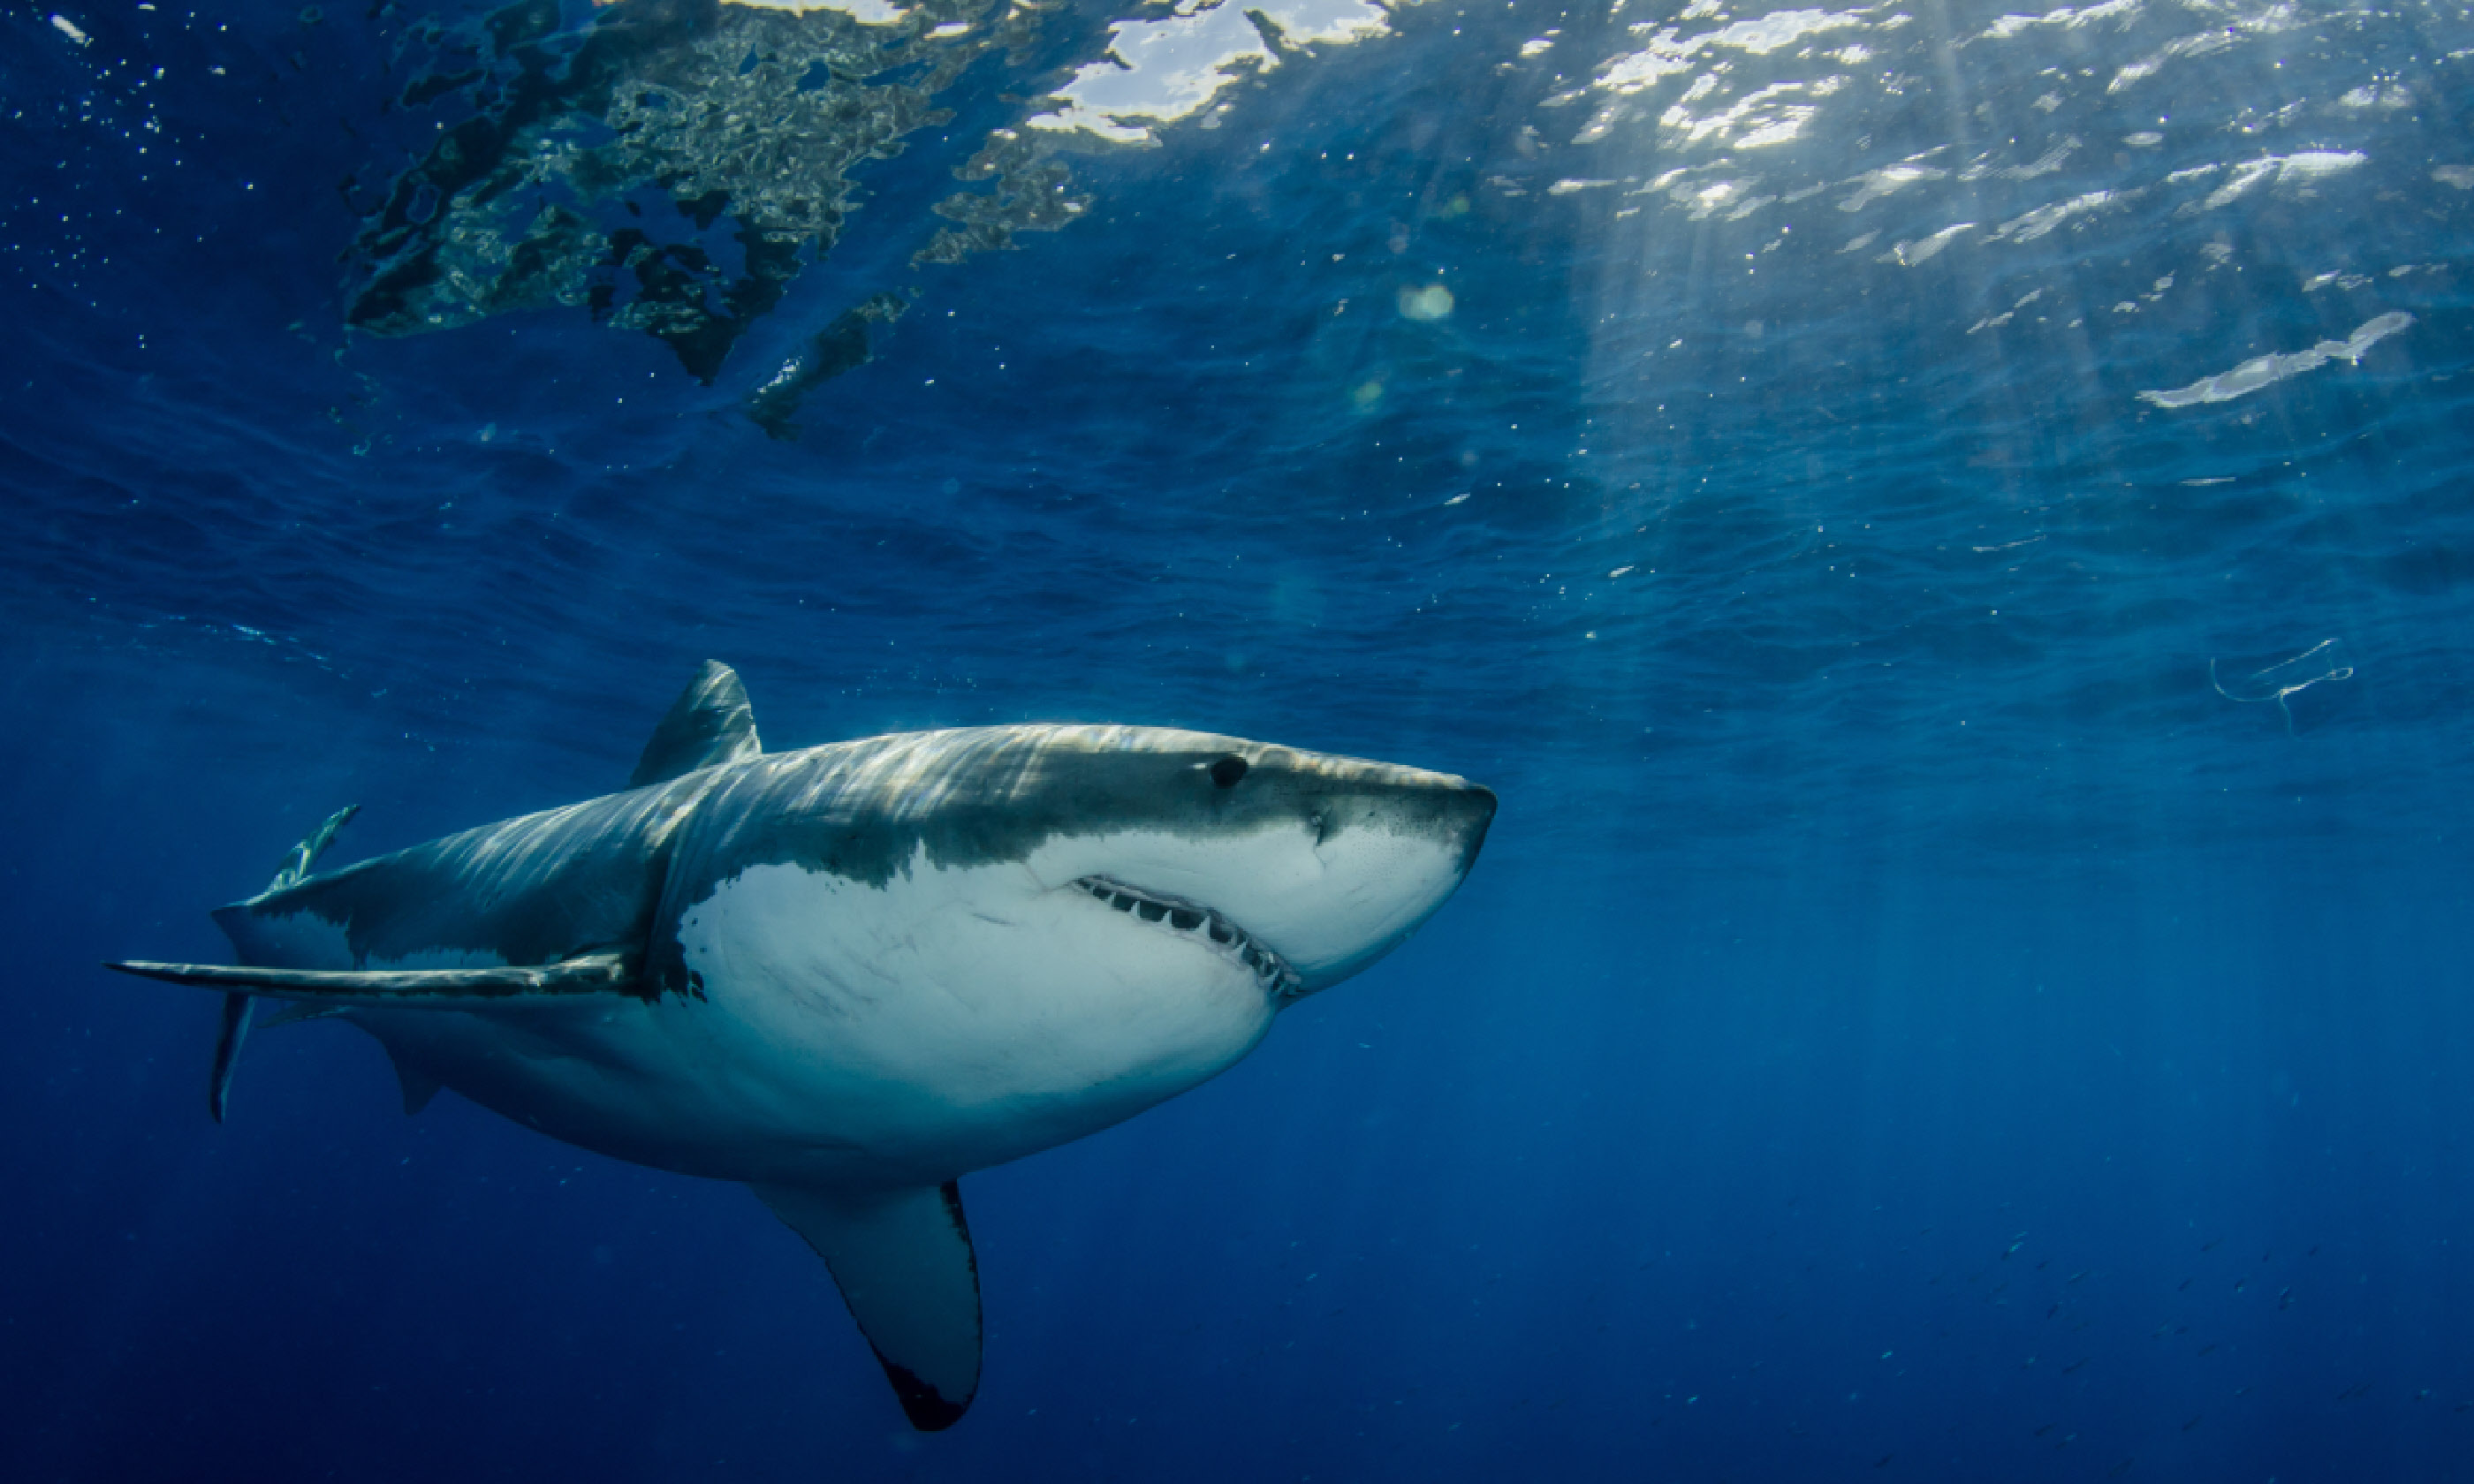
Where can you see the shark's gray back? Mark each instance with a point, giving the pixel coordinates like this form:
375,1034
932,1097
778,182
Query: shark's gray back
611,873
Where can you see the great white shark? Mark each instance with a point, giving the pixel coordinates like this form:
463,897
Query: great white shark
848,976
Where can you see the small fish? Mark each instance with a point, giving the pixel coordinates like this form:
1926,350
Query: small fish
2074,1365
2194,1421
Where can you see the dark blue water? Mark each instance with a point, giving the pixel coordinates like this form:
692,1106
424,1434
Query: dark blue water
1953,537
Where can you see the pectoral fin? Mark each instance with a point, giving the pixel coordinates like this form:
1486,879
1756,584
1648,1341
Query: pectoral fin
233,1031
409,988
905,1264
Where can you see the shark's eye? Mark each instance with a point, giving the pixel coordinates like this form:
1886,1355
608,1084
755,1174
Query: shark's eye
1227,771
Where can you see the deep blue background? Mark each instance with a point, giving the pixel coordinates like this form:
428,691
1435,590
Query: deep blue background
1907,1022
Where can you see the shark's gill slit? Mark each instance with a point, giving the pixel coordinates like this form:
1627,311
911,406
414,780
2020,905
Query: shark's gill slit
1178,914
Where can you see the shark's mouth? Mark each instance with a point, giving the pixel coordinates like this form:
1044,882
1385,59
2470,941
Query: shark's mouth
1196,921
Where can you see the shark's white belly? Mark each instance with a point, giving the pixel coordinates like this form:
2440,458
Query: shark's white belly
859,1035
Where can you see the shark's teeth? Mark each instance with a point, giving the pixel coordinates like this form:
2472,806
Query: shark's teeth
1269,970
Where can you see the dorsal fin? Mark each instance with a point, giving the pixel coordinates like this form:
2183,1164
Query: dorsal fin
710,724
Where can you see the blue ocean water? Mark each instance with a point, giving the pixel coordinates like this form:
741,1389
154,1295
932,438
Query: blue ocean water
1949,530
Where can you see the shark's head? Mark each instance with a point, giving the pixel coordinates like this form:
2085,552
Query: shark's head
1304,866
1307,866
983,943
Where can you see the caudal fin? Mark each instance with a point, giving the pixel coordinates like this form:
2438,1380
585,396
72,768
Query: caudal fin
229,1035
233,1030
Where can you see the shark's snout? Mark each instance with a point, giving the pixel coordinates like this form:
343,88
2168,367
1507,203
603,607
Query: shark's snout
1386,858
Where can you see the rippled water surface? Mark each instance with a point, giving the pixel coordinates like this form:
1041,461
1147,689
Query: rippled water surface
1949,528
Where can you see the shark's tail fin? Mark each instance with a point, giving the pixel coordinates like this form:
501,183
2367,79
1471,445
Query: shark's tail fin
237,1006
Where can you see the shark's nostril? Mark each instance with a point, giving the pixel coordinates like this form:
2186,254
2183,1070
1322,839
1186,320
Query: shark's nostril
1225,773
